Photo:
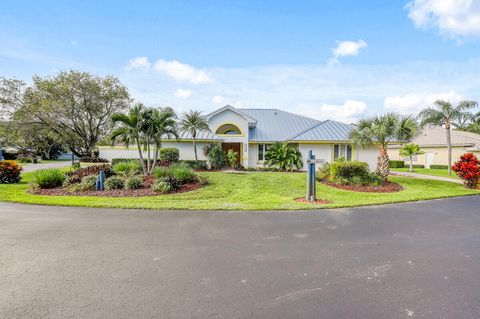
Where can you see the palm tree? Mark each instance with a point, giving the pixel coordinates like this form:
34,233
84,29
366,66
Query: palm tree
193,122
130,130
161,124
410,150
380,131
444,113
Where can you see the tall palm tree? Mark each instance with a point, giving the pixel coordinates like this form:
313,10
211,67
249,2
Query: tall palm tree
380,131
444,113
130,130
162,124
193,122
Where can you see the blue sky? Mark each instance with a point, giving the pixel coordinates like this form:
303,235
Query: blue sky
325,59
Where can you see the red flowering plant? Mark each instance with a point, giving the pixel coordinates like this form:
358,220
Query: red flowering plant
468,169
9,172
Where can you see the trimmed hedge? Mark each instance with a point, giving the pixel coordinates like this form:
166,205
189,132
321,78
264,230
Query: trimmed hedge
433,166
397,164
418,166
170,154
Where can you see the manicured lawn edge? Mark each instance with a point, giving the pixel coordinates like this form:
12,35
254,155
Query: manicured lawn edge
250,191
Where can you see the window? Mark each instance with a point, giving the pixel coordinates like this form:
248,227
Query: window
342,150
262,149
228,129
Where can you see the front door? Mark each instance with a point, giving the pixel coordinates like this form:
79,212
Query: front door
428,159
232,146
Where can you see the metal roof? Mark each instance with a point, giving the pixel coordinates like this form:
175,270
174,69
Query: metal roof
436,136
276,125
325,131
201,135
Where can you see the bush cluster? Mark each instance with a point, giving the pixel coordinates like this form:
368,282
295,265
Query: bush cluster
133,182
181,171
438,166
88,159
76,176
196,165
468,169
48,178
114,182
397,164
349,173
159,162
127,168
10,172
169,154
215,154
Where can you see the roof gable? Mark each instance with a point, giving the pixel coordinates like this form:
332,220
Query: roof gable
251,121
325,131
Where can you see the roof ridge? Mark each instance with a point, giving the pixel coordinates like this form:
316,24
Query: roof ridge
307,129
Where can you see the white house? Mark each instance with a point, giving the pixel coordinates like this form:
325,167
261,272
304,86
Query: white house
250,131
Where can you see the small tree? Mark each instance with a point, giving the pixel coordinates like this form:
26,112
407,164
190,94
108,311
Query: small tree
193,122
410,150
232,158
468,169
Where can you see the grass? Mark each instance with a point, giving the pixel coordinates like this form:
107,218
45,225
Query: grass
428,171
249,191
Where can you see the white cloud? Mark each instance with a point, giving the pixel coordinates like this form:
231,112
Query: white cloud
346,48
181,72
74,42
138,63
349,112
183,94
415,102
453,18
217,99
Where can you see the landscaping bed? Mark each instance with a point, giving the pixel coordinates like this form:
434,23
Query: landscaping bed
388,187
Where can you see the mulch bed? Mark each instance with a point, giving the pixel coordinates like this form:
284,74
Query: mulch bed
318,201
145,191
389,187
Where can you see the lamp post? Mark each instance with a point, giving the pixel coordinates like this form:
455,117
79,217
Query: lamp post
311,193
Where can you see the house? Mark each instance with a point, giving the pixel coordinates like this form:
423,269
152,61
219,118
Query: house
250,131
433,141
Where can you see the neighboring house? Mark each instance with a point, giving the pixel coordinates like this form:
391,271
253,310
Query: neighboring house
250,131
433,141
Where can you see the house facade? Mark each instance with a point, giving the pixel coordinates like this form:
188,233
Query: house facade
250,131
433,142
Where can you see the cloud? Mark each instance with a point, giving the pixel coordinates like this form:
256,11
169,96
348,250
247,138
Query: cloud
138,63
347,48
414,102
181,72
453,18
350,111
217,99
183,94
74,42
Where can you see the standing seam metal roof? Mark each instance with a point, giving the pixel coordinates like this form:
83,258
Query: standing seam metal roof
325,131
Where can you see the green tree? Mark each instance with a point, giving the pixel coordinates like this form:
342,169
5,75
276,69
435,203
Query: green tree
75,106
193,122
410,150
131,130
232,158
381,130
445,114
282,156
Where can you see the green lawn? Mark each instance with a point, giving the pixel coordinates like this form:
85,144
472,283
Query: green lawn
250,191
428,171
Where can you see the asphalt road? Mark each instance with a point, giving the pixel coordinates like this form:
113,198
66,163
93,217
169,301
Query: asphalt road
417,260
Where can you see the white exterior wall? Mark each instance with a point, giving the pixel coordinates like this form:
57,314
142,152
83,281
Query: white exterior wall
185,150
230,117
368,155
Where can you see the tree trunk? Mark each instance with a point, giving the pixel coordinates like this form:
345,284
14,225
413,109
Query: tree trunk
449,148
140,155
158,147
148,157
383,166
195,149
411,163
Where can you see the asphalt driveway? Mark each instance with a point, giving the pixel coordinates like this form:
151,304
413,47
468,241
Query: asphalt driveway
416,260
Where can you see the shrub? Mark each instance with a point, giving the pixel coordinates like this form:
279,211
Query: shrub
203,180
48,178
133,182
161,187
25,158
348,170
397,164
232,158
162,171
323,172
468,169
183,173
172,181
76,176
418,166
282,156
196,165
88,159
159,162
89,183
375,179
10,172
127,168
169,154
114,182
439,166
216,155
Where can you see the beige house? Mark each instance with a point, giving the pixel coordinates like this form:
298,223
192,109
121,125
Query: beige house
433,141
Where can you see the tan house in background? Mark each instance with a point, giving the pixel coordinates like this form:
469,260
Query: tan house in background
433,141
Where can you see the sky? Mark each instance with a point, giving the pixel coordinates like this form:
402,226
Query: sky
341,60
